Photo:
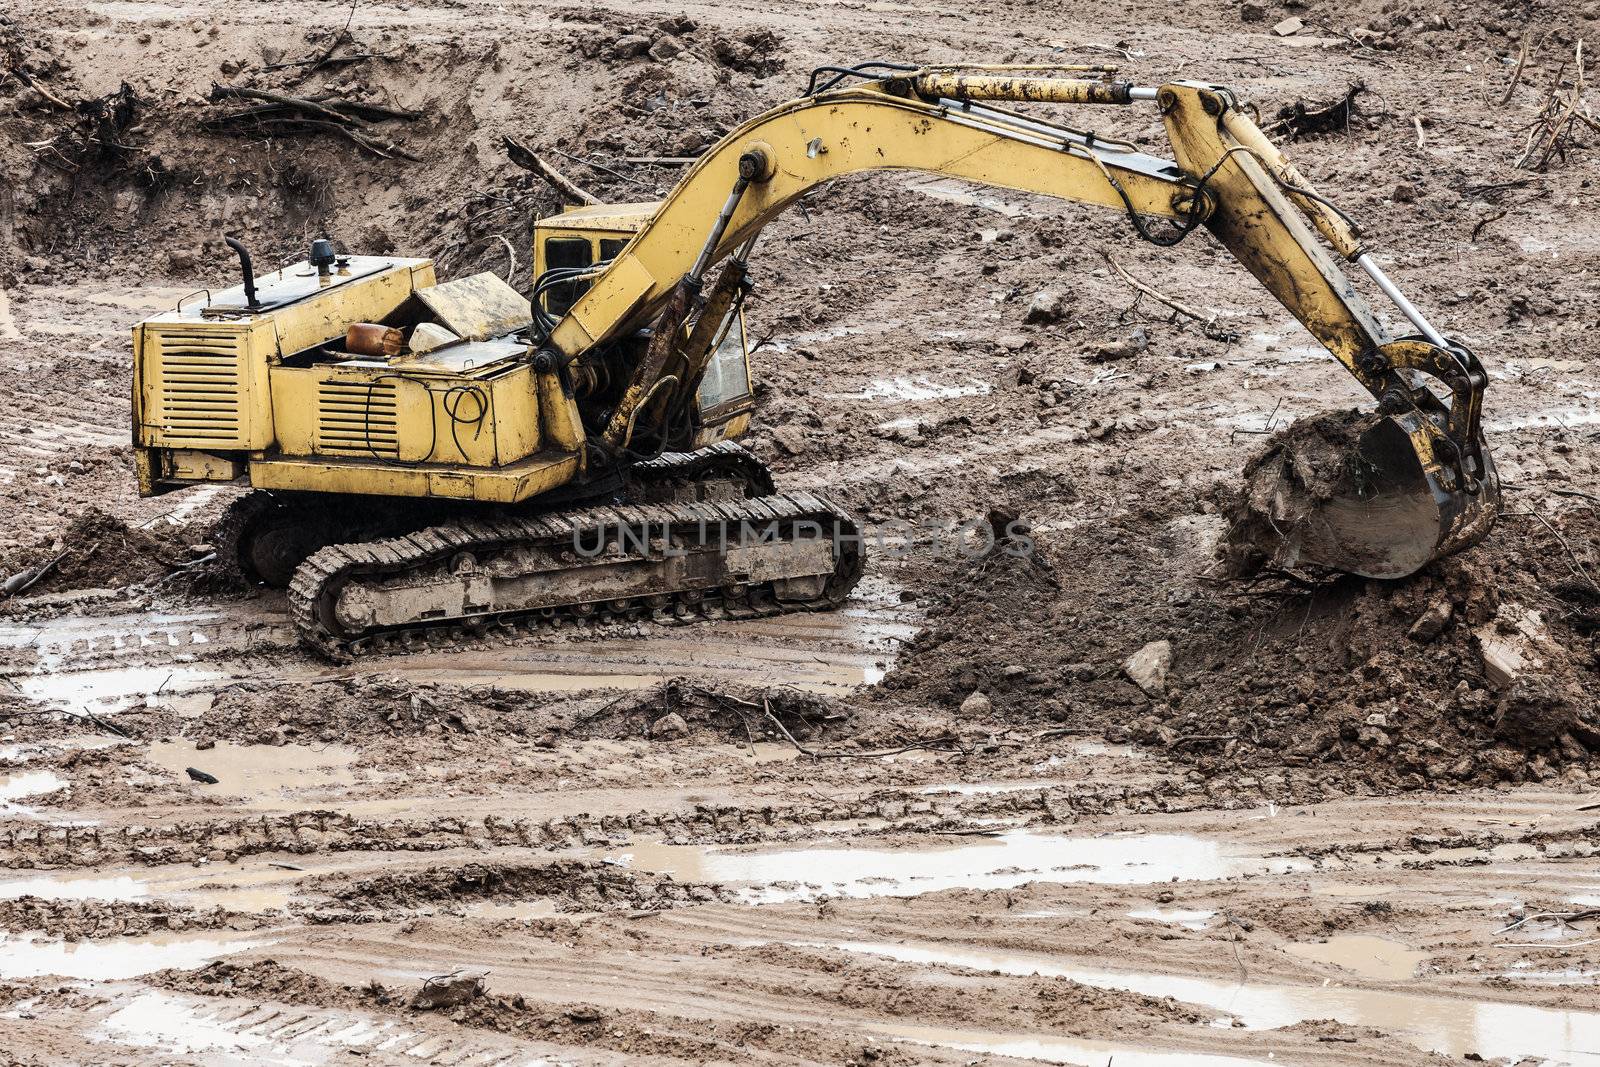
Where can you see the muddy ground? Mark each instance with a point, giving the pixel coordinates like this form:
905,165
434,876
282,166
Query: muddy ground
1337,832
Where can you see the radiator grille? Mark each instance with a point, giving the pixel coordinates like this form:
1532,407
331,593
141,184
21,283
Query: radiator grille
197,398
356,419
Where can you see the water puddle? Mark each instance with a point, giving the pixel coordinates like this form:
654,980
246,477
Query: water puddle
27,956
1544,420
180,1026
522,909
1370,957
226,1033
265,774
27,784
1523,972
1054,1049
825,652
113,689
1002,861
1188,918
919,388
1452,1028
32,750
8,322
252,889
116,888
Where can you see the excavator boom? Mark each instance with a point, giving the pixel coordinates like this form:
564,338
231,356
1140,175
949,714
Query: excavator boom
1420,482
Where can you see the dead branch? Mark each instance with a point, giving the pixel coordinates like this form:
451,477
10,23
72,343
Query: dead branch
1208,321
1560,115
52,98
526,158
1516,75
283,100
1298,119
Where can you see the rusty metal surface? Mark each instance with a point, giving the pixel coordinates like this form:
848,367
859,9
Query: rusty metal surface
478,307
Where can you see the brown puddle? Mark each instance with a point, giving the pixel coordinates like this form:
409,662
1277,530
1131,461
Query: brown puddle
1370,957
27,956
1007,859
264,775
1053,1049
257,887
1450,1027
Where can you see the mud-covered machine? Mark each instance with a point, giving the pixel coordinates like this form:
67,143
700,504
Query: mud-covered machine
429,457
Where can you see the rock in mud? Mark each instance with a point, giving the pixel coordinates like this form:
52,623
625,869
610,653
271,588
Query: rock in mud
1513,644
1431,623
976,706
669,727
1046,307
1148,668
1537,711
666,47
448,991
634,44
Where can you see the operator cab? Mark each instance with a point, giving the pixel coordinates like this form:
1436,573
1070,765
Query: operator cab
594,235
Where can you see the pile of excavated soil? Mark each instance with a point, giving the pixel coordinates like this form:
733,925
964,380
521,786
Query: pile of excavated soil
380,707
1482,668
98,551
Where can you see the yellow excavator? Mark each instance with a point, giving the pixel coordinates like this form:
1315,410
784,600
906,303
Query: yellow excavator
434,459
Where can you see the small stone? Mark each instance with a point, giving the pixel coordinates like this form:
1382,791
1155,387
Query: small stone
1289,26
1148,667
1249,12
1431,623
1404,193
976,705
666,47
1044,308
1137,342
1536,712
669,727
1378,719
631,45
791,440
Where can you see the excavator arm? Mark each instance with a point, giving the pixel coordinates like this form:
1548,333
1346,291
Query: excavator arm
1425,485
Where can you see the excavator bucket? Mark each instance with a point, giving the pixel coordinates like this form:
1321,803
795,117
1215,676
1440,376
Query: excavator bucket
1350,492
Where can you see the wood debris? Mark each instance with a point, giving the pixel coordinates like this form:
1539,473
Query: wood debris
280,114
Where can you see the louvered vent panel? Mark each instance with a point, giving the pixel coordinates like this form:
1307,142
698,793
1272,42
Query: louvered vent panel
355,419
197,397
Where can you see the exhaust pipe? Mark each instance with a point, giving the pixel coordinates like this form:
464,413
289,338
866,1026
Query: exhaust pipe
246,269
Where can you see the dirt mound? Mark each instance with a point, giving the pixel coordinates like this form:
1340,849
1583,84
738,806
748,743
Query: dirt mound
570,885
74,919
378,706
1477,670
98,551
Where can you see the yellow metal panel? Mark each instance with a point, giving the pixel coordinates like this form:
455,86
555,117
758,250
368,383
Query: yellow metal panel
327,315
628,282
622,218
558,414
294,408
515,415
537,474
478,307
481,420
202,385
190,465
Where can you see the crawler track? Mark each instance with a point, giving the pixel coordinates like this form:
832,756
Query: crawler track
694,534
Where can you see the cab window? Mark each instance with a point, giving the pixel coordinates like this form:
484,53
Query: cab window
562,252
727,376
